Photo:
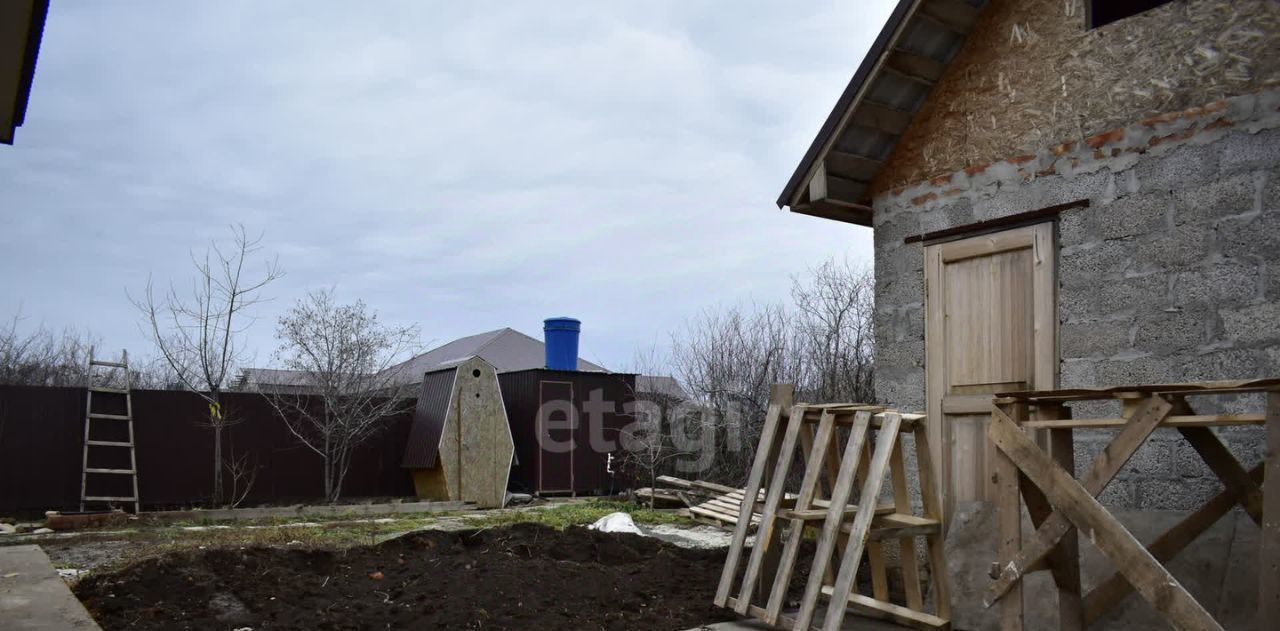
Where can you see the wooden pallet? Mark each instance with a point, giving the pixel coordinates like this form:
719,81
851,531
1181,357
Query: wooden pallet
845,530
1060,504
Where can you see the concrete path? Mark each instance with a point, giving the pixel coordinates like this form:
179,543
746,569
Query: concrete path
32,596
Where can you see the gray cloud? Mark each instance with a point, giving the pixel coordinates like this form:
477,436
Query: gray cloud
464,166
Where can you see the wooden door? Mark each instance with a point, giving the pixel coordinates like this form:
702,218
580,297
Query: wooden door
990,326
557,420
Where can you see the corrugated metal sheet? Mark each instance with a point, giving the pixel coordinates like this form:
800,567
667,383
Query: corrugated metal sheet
520,394
41,434
428,419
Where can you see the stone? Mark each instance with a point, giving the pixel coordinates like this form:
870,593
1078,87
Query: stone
7,529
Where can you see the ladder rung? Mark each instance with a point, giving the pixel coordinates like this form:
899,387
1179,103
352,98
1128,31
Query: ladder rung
119,471
109,417
107,498
108,390
109,443
97,362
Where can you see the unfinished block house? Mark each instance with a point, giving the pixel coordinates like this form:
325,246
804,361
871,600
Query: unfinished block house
1063,193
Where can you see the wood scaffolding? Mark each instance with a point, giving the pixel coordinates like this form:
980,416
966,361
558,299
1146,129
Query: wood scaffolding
1041,476
871,451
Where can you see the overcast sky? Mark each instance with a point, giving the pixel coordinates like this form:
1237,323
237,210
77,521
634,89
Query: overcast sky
460,165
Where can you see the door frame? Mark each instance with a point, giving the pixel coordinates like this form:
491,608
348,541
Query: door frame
573,424
1042,239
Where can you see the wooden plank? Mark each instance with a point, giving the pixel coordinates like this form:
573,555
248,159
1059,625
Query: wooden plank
831,528
966,404
1114,588
1190,420
734,555
874,481
1234,386
1101,471
875,549
935,371
886,119
852,165
917,67
873,608
1078,505
907,542
1227,468
808,488
932,504
1009,525
778,483
1269,559
1065,557
903,527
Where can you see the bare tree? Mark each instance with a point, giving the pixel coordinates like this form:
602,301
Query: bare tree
42,358
344,354
834,312
198,334
728,357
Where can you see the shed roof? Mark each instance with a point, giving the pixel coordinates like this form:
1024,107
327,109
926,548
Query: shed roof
507,349
894,80
21,29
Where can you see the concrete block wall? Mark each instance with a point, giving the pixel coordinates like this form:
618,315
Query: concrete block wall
1171,274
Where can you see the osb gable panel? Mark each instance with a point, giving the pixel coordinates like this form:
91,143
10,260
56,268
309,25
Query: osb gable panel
1030,75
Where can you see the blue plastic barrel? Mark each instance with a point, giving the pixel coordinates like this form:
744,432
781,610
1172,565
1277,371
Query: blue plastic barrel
561,335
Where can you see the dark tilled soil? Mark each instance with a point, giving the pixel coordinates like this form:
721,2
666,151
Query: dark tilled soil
520,577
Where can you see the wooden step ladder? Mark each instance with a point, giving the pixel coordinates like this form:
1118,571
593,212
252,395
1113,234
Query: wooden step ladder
846,527
92,415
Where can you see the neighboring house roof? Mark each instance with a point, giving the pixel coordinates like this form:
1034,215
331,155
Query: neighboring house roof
507,349
271,379
658,384
895,78
21,29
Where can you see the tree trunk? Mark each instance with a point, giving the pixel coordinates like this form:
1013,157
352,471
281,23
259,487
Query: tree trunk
217,463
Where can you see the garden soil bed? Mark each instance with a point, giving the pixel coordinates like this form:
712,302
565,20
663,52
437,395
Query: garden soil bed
525,576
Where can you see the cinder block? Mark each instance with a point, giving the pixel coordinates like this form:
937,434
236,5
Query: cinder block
1180,494
1231,195
1093,339
1226,282
1255,324
1187,165
1110,298
1252,237
1165,333
1133,215
1088,264
1180,247
1247,151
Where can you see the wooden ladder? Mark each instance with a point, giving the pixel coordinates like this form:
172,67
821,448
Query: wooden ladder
104,445
846,527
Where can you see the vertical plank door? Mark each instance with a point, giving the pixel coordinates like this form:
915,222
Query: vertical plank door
990,325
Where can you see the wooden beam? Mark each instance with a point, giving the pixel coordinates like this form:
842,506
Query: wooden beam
916,67
998,224
1182,420
872,483
1077,504
856,214
873,608
886,119
1111,590
1005,475
1269,559
955,15
852,165
1227,468
1104,467
764,451
831,528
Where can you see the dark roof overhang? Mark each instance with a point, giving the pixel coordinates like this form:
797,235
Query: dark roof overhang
21,28
893,82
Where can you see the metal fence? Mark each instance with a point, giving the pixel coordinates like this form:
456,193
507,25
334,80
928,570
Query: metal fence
42,435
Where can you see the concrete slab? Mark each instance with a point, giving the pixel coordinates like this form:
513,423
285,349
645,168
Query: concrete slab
32,596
